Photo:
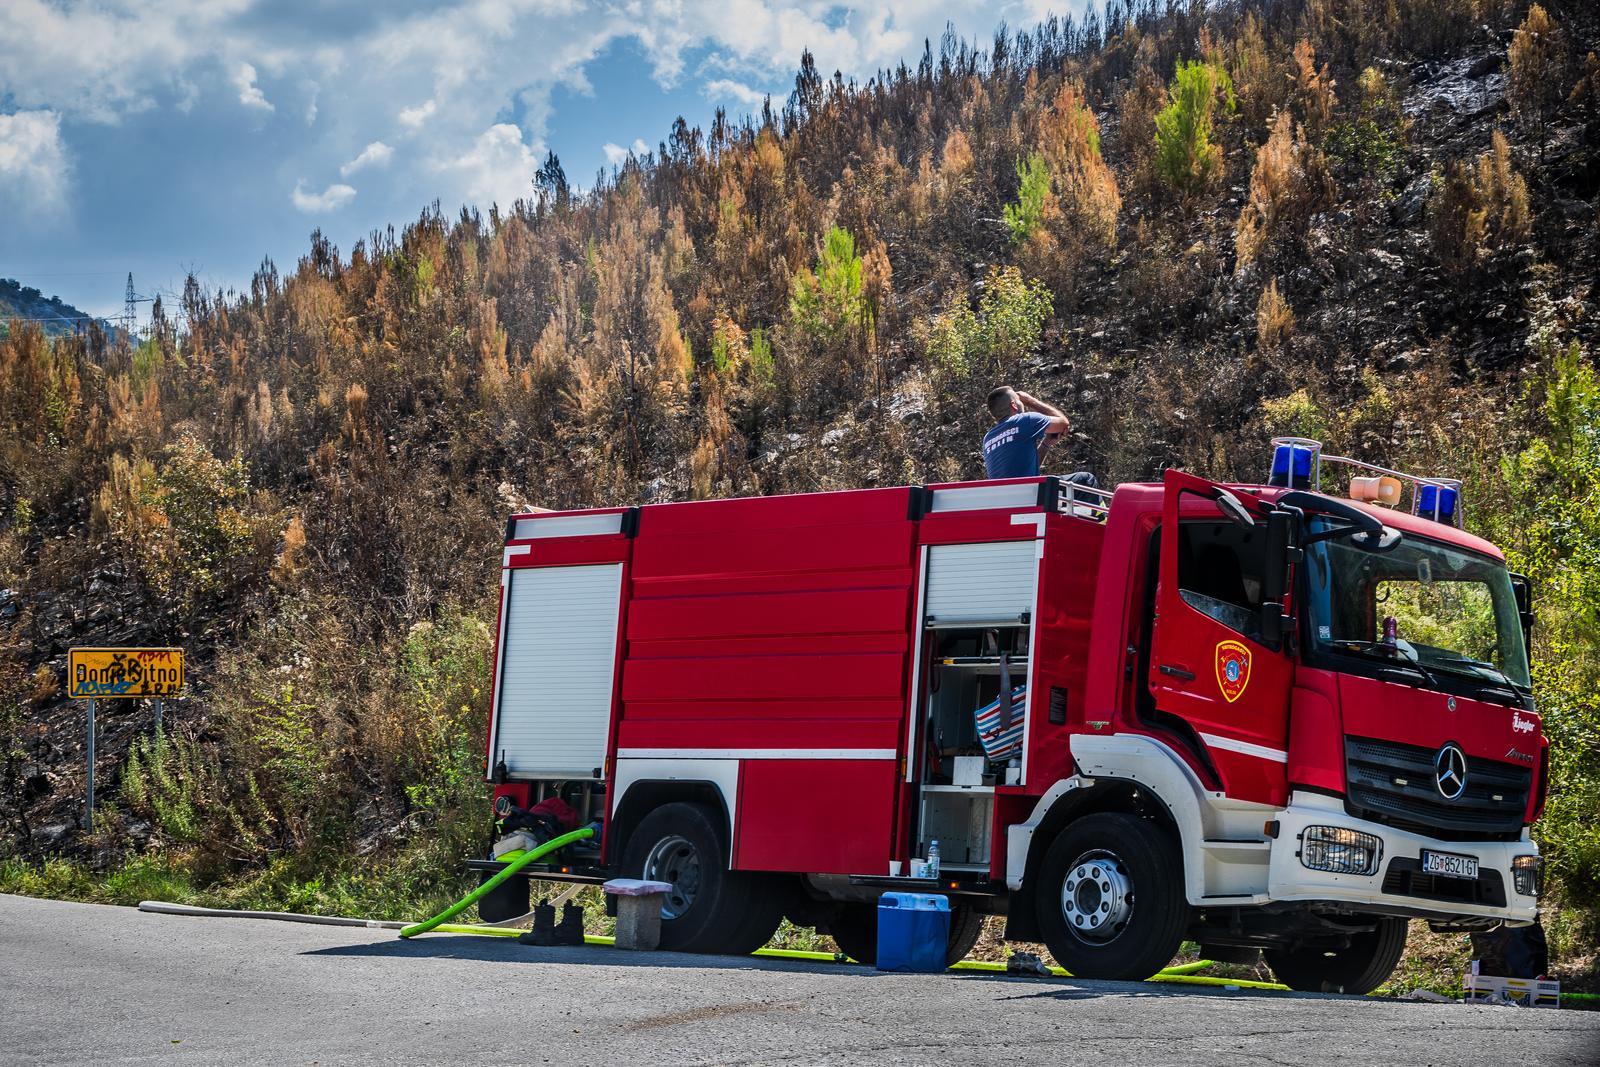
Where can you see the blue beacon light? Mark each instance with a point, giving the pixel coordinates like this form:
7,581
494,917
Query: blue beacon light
1437,502
1291,466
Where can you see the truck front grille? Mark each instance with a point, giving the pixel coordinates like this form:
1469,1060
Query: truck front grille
1392,783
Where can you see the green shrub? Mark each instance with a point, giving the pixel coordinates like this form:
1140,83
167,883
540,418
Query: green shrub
1008,324
1186,158
1550,527
1295,415
1033,192
828,303
1369,145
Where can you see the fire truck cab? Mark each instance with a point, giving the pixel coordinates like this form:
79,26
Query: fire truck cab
1259,717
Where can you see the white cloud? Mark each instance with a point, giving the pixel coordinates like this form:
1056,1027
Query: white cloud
34,169
437,77
414,117
250,95
728,89
498,168
332,198
376,154
615,153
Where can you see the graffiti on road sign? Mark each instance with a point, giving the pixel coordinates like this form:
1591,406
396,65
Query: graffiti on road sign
101,673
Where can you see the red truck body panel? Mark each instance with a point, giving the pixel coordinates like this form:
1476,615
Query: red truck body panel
768,629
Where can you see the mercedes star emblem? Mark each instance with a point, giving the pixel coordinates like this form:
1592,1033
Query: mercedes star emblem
1450,771
1450,704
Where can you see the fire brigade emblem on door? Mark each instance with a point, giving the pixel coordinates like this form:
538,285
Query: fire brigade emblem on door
1233,669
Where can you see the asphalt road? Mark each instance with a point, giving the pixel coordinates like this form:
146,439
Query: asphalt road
81,983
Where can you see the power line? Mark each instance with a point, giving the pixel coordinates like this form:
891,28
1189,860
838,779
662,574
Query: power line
67,274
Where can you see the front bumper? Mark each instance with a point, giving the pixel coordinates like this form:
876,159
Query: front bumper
1397,887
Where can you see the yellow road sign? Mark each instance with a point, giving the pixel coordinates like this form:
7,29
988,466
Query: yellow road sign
108,673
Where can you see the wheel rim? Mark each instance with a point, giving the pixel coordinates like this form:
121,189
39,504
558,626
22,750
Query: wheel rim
674,859
1097,897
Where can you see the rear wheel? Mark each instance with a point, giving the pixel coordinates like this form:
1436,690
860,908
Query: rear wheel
855,931
709,908
966,926
1110,899
1358,968
506,901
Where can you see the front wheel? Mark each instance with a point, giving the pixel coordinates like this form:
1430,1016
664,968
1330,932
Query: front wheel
1359,968
1110,899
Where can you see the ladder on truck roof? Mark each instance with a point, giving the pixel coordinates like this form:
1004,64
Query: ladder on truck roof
1051,492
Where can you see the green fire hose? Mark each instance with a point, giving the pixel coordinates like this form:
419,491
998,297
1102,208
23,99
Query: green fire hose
510,869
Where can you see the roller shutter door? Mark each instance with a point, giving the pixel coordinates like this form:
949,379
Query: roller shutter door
558,656
984,583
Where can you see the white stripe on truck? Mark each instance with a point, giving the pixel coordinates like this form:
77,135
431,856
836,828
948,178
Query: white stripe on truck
1245,748
756,753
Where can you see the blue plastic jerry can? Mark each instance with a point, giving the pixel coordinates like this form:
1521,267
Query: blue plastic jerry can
913,932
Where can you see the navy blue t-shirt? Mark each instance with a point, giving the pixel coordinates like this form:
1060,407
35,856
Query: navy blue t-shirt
1011,449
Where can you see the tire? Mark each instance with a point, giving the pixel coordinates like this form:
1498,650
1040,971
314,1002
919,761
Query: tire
1362,967
966,926
1110,899
855,931
764,897
711,909
508,900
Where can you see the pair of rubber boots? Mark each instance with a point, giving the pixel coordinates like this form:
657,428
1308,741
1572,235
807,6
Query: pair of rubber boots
546,931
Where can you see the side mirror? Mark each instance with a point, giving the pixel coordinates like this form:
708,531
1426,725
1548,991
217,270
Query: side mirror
1386,541
1522,590
1236,512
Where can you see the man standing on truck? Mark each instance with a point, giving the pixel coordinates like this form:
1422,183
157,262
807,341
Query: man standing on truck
1025,428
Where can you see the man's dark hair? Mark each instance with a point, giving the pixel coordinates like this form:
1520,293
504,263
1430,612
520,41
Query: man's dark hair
1000,401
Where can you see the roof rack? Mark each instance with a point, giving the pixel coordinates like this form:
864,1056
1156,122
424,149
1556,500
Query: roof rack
1083,501
1297,463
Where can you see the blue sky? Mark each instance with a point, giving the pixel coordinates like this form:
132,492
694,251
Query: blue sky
203,135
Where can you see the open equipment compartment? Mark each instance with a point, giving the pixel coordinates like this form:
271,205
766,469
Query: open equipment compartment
979,608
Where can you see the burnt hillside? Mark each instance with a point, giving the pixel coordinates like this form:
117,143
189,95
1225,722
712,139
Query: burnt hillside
1385,234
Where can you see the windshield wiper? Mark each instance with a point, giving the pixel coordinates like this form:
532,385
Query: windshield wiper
1392,657
1506,688
1479,665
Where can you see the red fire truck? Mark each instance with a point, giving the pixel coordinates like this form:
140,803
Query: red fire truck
1259,717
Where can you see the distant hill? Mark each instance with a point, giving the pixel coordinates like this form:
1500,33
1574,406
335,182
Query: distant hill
18,301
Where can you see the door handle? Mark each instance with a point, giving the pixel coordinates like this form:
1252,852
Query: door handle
1172,671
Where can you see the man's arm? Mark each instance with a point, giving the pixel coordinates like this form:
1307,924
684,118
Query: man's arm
1058,422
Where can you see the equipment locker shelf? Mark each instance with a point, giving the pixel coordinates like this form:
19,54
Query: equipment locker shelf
965,666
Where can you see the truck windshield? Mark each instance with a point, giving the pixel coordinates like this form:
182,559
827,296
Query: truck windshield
1453,611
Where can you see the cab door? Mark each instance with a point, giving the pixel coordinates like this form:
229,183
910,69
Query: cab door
1209,664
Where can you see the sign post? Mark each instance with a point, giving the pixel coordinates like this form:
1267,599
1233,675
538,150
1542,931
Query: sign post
88,803
95,674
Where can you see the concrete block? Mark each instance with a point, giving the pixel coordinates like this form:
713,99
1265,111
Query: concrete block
639,922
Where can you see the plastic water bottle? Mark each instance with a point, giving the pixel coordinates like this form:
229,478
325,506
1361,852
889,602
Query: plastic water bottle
933,859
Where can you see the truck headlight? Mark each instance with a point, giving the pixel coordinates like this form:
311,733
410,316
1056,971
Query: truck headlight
1527,875
1339,851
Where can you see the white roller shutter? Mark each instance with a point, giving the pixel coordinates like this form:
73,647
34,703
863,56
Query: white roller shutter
557,661
987,583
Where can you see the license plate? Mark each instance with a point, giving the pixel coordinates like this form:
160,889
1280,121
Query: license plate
1450,865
